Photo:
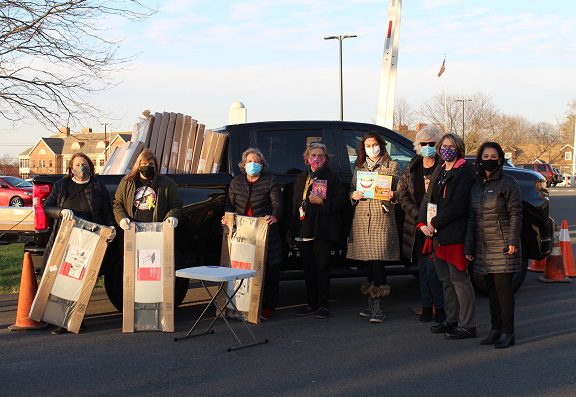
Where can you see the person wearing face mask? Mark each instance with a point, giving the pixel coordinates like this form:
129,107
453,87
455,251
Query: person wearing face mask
373,238
493,239
254,193
146,196
316,226
413,185
78,194
443,219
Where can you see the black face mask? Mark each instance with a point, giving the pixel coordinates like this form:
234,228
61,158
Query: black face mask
490,165
147,171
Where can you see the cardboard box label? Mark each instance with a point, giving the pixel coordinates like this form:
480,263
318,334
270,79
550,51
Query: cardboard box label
149,266
75,263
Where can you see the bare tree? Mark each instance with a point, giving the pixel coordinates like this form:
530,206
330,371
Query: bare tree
403,114
544,136
9,165
55,54
568,125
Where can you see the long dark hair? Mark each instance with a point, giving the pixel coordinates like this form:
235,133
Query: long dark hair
484,146
362,152
90,164
146,155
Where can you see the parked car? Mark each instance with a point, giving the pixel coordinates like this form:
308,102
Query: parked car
198,236
15,192
558,177
544,169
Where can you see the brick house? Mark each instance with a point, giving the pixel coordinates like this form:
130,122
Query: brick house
558,155
51,155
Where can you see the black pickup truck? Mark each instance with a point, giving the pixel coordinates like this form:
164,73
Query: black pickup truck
199,234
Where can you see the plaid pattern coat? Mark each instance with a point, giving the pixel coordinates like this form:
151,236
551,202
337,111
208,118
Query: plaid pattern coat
374,236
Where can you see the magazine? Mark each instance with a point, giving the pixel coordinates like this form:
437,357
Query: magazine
319,188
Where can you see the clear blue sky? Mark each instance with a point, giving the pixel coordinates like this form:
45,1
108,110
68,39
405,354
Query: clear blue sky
197,57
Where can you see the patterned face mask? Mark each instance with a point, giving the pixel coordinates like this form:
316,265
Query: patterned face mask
317,162
448,154
80,172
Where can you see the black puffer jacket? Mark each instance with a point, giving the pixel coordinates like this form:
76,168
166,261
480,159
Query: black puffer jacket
265,199
412,239
494,223
452,199
98,200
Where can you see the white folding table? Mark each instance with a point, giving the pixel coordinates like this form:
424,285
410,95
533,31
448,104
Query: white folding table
220,275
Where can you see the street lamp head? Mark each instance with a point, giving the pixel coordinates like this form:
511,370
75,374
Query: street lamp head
348,36
330,37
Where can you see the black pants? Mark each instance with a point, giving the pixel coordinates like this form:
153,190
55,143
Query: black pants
316,261
376,272
499,287
271,281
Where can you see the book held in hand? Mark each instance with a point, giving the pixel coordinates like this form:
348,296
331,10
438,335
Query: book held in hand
374,185
319,188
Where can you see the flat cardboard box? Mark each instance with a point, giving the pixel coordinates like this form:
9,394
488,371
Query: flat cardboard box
183,147
142,288
66,284
211,153
153,139
176,141
197,148
203,166
218,153
168,143
161,136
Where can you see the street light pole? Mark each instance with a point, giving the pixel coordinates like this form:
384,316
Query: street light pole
340,38
105,143
463,102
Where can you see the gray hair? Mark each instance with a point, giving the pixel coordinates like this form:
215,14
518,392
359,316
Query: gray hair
430,133
251,150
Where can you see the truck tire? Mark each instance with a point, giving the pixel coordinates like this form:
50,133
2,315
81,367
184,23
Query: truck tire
517,280
113,285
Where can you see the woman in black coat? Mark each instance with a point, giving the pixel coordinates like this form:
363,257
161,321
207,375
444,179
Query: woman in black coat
493,239
77,194
256,194
316,225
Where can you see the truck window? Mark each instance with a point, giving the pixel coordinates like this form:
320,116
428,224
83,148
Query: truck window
284,149
398,152
542,168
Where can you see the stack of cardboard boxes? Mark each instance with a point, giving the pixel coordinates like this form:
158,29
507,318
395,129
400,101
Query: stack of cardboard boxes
180,143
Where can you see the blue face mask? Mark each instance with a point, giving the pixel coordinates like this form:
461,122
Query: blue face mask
428,151
253,169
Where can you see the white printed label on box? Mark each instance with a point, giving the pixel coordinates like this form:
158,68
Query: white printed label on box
188,154
201,165
75,263
215,168
175,147
149,265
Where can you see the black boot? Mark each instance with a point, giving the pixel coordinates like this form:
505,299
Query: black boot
491,338
506,340
439,315
426,315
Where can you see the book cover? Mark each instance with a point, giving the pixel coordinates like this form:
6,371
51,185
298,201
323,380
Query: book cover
365,183
319,188
383,187
431,212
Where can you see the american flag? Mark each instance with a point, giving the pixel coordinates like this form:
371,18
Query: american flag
442,68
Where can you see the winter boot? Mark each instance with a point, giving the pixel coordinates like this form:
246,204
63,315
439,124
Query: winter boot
378,293
365,289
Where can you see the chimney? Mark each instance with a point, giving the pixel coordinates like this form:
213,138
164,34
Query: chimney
65,130
419,126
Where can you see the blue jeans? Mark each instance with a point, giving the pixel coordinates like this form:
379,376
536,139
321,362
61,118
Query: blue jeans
431,292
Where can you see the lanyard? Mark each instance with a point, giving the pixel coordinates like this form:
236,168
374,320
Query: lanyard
306,187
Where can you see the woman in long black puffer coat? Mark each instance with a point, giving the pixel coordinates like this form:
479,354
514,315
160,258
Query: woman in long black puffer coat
493,239
257,194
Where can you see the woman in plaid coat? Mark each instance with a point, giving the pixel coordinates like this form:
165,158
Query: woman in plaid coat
374,238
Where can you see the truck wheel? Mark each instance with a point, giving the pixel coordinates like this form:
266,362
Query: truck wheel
517,280
113,285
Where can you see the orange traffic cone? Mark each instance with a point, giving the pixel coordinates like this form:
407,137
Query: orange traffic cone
554,272
28,288
566,247
537,266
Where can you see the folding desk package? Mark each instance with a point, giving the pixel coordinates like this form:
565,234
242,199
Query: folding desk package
218,153
244,246
70,274
148,278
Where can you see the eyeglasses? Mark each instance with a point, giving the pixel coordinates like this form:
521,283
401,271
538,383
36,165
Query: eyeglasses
427,143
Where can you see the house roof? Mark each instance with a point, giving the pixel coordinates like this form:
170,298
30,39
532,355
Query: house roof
62,144
26,152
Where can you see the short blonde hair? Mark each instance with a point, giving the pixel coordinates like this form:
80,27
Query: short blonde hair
315,145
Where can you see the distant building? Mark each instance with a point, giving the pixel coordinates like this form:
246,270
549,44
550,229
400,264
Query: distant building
51,155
